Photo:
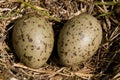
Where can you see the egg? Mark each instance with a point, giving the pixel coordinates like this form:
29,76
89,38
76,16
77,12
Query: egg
79,39
33,40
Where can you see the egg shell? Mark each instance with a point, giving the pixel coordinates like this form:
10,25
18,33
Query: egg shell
33,40
79,39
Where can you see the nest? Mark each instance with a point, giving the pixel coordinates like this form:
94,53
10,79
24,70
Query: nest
104,65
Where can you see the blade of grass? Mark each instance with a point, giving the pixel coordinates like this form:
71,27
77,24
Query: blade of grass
10,14
40,11
104,14
106,3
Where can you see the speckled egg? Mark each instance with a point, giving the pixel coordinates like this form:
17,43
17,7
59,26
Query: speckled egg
79,39
33,40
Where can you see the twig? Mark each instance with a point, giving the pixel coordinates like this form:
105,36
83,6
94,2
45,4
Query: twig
35,70
116,77
5,9
115,33
1,1
83,75
56,72
41,71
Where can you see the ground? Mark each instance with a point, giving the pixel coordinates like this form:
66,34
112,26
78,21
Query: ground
104,65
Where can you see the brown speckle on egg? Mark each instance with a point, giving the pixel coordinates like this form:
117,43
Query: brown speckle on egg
38,48
16,42
73,25
66,44
38,59
90,23
71,56
66,53
29,39
28,57
24,23
33,22
25,49
44,58
74,54
22,36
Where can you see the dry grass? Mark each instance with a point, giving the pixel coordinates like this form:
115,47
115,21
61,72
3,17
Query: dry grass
104,65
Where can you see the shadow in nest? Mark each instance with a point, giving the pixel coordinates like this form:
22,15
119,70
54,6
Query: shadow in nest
8,41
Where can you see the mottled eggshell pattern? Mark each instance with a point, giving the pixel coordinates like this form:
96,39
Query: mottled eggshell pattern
33,40
79,39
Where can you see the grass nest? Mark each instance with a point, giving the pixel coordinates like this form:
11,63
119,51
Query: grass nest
104,65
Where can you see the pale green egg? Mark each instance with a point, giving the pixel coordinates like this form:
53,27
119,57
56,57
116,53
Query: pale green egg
79,39
33,40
